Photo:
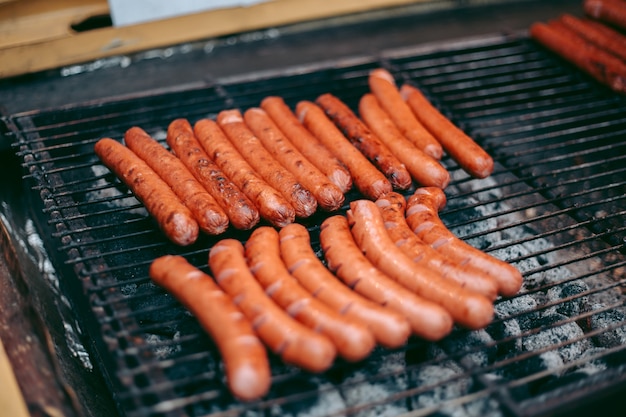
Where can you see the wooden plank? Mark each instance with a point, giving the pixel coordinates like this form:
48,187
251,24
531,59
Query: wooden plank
98,43
11,401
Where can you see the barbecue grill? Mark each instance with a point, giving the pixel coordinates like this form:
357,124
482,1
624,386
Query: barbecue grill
554,208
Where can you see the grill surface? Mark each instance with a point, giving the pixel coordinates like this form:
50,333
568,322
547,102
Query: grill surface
554,207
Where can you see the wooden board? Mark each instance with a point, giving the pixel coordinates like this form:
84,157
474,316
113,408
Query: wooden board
36,35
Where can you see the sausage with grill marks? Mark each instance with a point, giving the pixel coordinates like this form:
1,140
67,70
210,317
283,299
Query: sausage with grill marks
428,320
352,340
245,358
172,216
423,218
294,342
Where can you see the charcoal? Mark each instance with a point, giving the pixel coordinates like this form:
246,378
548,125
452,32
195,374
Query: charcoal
576,305
441,382
615,323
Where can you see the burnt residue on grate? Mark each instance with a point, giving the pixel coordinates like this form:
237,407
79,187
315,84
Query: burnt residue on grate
554,207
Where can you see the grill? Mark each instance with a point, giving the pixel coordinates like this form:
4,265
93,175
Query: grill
554,207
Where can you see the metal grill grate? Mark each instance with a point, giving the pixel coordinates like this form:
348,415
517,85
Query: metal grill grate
554,207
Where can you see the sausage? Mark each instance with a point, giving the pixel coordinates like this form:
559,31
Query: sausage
612,12
423,218
601,65
253,151
384,88
423,168
365,141
467,153
467,308
240,211
392,207
294,342
368,180
343,257
271,205
329,197
306,143
597,33
172,216
388,327
210,216
353,341
245,358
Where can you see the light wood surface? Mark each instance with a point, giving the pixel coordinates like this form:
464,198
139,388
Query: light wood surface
11,400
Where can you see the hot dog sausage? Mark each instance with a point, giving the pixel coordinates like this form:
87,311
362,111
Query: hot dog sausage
306,143
271,205
467,308
423,218
428,320
367,179
329,197
467,153
245,358
352,340
365,141
294,342
173,217
388,327
239,209
392,207
209,215
423,168
609,11
383,86
597,33
253,151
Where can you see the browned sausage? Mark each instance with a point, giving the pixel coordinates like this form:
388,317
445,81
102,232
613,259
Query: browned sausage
270,203
329,197
172,216
253,151
239,209
467,308
306,143
352,340
597,33
383,86
294,342
388,327
392,207
367,179
245,358
467,153
423,218
365,141
210,216
423,168
609,11
428,320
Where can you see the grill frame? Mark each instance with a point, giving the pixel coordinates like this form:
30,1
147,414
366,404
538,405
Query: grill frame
104,308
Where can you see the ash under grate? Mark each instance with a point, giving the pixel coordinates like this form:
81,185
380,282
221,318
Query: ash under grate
554,207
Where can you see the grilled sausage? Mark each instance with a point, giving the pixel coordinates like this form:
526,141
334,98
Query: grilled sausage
423,168
392,207
597,33
306,143
428,320
367,179
388,327
423,218
383,86
329,197
245,358
253,151
467,308
271,205
352,340
467,153
172,216
365,141
612,12
240,210
294,342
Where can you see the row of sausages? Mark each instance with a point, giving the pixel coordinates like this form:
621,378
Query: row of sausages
392,270
595,43
279,165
